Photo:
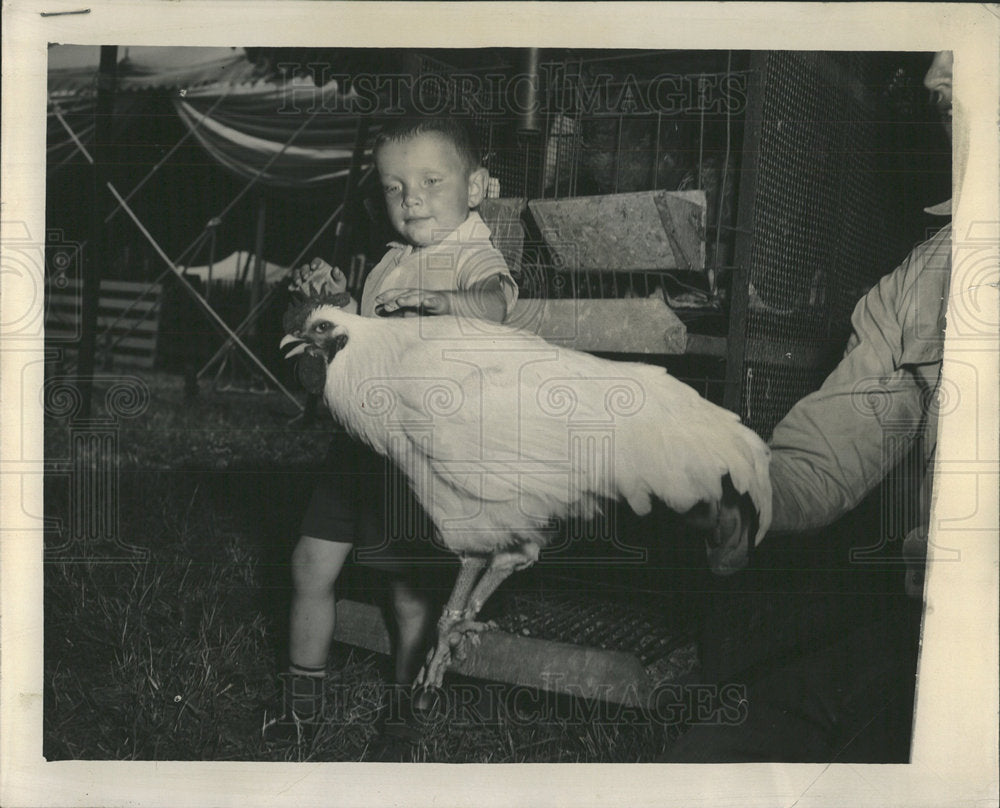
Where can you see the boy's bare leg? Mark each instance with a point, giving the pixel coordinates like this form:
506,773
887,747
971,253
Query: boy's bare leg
315,566
414,618
414,615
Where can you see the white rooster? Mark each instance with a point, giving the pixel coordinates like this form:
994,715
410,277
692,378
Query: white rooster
501,433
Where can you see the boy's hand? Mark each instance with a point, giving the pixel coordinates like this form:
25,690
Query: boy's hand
317,278
418,299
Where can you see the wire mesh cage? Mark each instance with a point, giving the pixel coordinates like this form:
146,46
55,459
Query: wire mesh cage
611,124
821,224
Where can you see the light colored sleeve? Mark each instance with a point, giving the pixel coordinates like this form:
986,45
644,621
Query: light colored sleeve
481,265
837,444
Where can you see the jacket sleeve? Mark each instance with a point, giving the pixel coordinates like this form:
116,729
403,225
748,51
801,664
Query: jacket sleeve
837,444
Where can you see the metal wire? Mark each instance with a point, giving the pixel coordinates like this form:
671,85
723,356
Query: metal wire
818,240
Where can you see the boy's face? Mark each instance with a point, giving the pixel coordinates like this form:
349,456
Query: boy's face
428,187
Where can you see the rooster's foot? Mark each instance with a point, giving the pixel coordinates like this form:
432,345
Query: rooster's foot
469,630
451,644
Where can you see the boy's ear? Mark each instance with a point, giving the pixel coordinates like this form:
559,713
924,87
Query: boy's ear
479,181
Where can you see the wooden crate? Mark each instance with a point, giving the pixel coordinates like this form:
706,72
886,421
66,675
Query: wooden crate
625,232
128,321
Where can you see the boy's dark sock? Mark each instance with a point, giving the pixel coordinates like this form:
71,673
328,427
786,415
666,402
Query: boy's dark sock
303,691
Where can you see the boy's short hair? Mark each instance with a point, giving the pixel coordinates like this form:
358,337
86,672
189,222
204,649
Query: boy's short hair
458,131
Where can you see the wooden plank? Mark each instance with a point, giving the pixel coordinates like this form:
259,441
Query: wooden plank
121,324
632,325
105,303
131,287
702,345
625,232
684,223
133,360
134,343
558,667
126,345
146,359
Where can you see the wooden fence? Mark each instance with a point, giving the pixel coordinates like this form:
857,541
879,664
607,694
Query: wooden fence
128,321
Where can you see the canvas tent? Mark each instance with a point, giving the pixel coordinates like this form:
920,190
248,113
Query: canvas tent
270,135
234,267
287,133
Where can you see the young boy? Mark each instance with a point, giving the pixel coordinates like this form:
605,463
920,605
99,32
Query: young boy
432,179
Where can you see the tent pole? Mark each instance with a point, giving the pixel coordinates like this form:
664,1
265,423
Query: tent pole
167,156
277,287
258,265
213,315
211,265
342,245
97,252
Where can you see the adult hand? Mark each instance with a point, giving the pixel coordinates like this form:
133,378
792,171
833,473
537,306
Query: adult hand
725,530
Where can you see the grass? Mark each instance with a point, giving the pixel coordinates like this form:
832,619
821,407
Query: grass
176,655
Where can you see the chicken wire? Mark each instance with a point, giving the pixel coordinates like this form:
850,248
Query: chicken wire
823,229
820,221
627,149
668,655
510,161
581,152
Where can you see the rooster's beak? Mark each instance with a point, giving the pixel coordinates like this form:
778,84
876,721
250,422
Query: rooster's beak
292,345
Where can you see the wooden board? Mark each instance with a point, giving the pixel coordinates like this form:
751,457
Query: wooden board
503,217
592,673
625,232
629,325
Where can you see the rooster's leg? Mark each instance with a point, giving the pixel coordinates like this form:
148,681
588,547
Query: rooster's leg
454,611
500,568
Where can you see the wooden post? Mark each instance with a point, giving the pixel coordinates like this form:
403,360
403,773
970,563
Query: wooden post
529,120
739,293
96,251
350,208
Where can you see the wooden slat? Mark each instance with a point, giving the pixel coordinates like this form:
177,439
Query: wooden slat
130,324
143,360
607,325
124,344
106,303
683,221
702,345
130,287
121,324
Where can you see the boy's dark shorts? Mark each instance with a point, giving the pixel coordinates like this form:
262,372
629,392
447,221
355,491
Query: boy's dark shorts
361,498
